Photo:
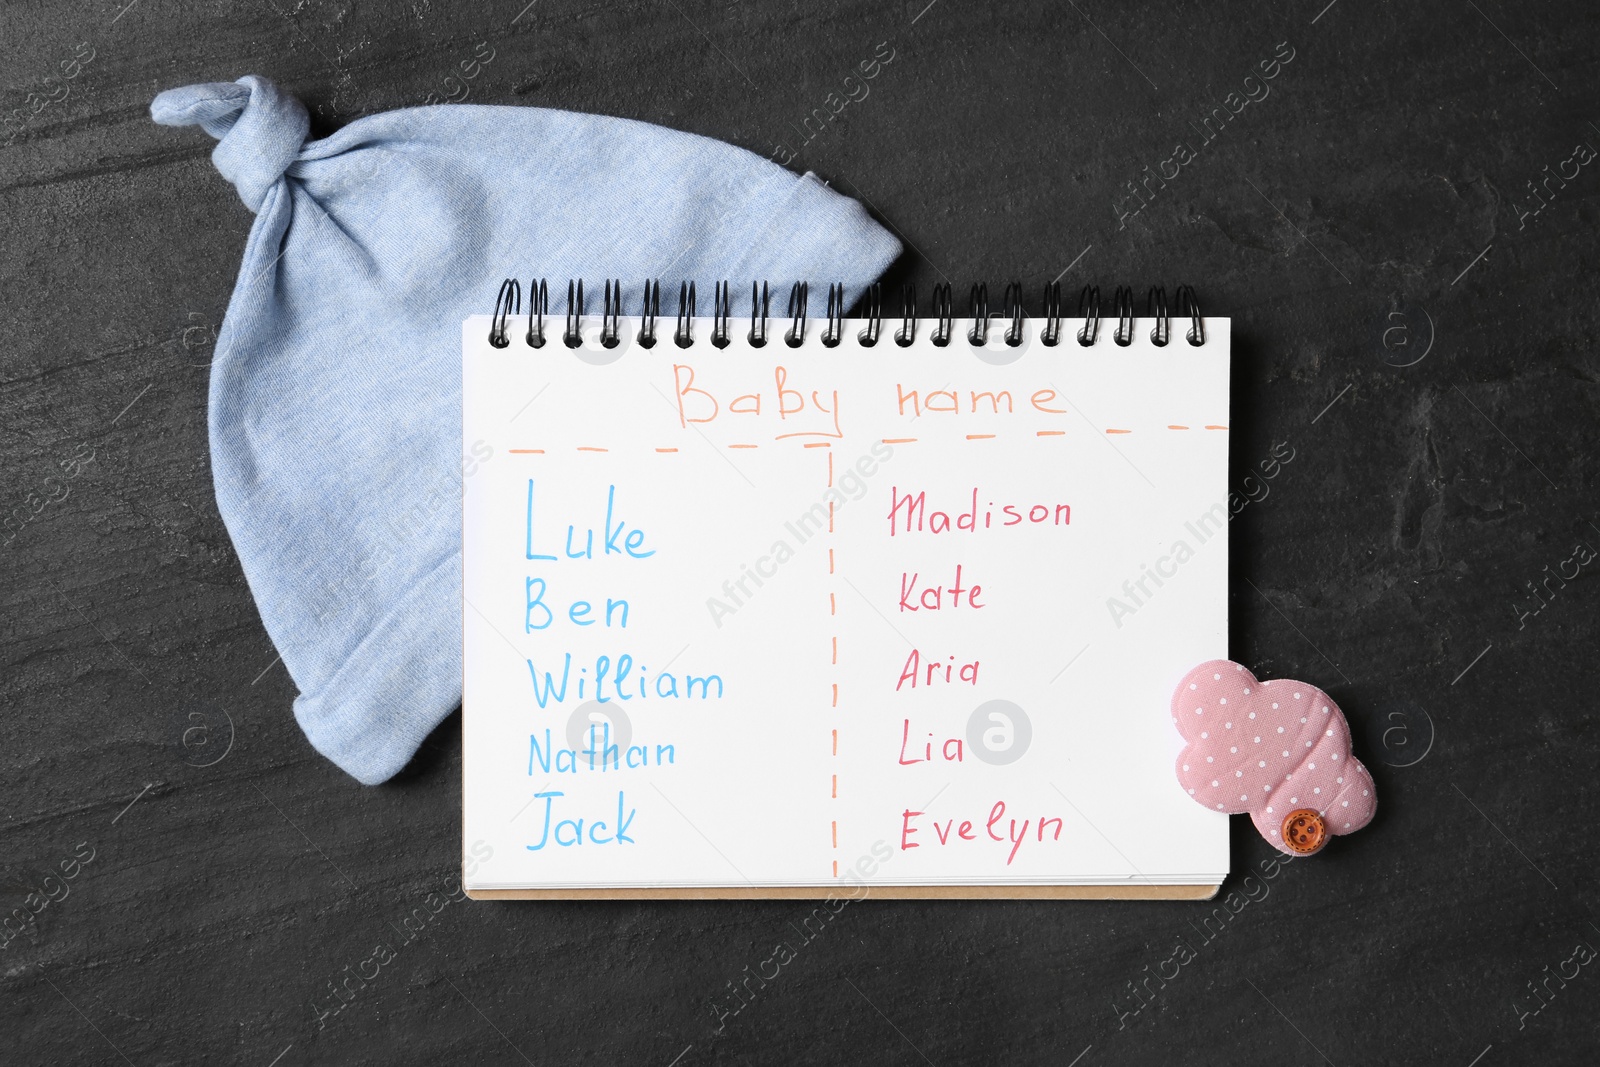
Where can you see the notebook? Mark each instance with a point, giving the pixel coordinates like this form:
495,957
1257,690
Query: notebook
772,603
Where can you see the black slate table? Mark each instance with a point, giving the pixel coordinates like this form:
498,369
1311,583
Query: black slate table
1414,307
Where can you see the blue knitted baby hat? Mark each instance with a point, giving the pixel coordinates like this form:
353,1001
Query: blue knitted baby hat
335,408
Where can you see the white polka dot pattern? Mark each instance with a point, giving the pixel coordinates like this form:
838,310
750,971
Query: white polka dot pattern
1307,764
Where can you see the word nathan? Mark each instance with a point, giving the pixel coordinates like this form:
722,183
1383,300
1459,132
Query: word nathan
600,754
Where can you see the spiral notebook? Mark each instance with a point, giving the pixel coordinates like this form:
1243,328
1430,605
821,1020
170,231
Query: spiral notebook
772,603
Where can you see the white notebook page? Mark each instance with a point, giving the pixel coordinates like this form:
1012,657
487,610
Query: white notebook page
783,616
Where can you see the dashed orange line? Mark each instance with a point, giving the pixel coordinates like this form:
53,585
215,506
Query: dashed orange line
835,694
979,436
836,844
836,741
527,451
744,446
1177,427
666,450
836,868
1119,431
1216,427
588,448
830,470
830,506
832,607
818,444
836,787
836,650
1050,433
830,561
898,440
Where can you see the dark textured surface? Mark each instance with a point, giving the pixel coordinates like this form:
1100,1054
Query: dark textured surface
231,887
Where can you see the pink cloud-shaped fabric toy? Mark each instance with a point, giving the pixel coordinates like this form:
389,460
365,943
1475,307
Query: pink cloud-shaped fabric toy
1279,750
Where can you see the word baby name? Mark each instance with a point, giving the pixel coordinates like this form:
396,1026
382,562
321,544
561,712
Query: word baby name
797,405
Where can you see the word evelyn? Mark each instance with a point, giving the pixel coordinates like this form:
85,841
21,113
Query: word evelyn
950,832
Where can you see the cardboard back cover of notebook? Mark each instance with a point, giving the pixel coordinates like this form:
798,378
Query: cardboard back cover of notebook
774,621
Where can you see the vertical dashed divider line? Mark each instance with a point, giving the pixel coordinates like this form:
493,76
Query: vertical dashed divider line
834,662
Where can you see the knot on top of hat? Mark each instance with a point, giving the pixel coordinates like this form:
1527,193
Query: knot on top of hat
259,129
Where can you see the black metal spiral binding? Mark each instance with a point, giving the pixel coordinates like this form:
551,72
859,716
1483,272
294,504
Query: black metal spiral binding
978,311
507,303
1089,311
944,314
1190,306
611,318
1155,307
797,315
572,337
683,336
906,335
835,331
874,305
721,316
1013,306
538,308
648,315
1051,335
759,302
1123,300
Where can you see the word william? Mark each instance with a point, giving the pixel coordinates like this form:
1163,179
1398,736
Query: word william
1581,956
1582,156
1566,570
855,91
949,832
851,484
1203,528
1183,154
614,679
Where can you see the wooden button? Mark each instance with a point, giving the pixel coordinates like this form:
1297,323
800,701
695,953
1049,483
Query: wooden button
1304,831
